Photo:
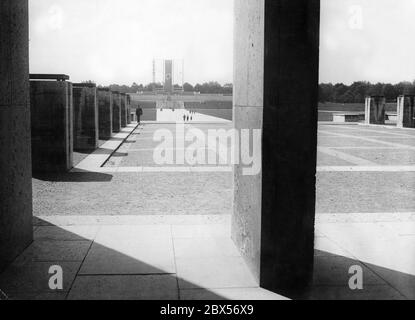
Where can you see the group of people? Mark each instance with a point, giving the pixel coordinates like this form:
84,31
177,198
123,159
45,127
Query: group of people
189,116
186,117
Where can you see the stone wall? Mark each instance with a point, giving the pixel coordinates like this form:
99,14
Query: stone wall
375,110
52,126
406,109
85,107
116,112
104,97
123,110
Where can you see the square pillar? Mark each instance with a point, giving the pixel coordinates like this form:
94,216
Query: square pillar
116,112
16,229
128,109
52,123
123,98
85,107
276,66
375,108
104,97
406,111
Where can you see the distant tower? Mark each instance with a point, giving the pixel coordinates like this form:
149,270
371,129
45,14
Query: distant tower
168,76
154,74
183,75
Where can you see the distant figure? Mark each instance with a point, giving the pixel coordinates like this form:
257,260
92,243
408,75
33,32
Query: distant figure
139,113
184,118
187,118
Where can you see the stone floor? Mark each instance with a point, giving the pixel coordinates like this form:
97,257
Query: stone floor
167,235
146,259
193,257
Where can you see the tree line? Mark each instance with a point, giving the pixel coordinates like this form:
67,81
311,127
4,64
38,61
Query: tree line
211,87
357,91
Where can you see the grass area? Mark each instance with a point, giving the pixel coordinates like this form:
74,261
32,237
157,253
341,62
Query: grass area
209,104
185,98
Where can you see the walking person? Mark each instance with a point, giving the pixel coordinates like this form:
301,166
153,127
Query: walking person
139,113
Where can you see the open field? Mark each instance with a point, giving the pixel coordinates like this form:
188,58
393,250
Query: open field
188,98
219,106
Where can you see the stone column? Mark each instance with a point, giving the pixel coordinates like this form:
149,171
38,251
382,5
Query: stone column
52,124
104,96
116,112
85,116
375,108
128,109
406,111
15,156
123,98
276,89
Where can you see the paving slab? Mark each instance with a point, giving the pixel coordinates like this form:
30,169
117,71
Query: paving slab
382,292
334,271
45,251
130,255
222,230
152,287
32,278
66,233
216,272
205,248
243,294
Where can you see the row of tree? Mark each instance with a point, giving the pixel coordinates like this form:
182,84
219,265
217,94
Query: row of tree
212,87
356,92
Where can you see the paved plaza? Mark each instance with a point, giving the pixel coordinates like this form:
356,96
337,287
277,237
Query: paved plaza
121,227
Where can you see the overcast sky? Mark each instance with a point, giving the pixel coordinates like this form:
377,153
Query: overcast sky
367,40
114,41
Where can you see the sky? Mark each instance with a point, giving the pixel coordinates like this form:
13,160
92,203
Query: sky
115,41
369,40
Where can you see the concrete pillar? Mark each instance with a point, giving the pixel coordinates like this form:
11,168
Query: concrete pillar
375,108
104,97
123,98
52,124
116,111
276,89
15,156
85,107
128,109
406,111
